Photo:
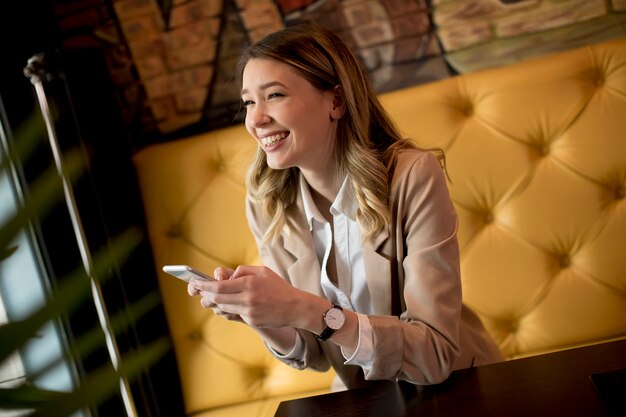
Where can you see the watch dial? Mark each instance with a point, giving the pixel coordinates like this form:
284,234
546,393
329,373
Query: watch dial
335,318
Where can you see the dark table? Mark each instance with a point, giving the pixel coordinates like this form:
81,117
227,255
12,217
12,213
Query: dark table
554,384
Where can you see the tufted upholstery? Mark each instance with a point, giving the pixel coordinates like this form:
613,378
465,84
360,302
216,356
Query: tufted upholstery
536,156
194,193
537,160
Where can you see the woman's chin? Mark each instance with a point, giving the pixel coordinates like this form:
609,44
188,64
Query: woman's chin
278,167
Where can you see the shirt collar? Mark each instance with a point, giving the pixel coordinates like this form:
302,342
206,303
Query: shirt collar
345,203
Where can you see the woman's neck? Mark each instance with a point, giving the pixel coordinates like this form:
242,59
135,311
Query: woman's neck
323,187
323,180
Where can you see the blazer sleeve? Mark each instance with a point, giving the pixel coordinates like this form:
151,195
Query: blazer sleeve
423,344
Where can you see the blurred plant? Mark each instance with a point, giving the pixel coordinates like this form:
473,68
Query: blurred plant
101,384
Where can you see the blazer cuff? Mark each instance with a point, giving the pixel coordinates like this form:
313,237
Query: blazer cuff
294,357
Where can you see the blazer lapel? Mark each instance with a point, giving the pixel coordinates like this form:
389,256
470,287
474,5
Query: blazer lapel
305,272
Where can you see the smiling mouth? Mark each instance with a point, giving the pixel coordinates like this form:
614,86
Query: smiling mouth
274,139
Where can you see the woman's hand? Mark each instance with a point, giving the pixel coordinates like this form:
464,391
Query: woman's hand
220,274
257,296
253,294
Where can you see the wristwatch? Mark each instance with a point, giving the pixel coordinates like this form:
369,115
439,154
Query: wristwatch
333,319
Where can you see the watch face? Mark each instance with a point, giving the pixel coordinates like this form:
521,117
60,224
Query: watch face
334,318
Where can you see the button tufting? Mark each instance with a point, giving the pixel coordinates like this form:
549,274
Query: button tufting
488,217
565,261
174,231
620,193
545,149
259,372
195,335
599,79
465,107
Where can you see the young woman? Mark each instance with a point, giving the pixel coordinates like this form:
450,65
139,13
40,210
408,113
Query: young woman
354,225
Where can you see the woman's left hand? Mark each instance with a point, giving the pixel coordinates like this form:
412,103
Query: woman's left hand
256,294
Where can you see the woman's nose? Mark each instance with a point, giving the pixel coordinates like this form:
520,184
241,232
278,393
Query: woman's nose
258,116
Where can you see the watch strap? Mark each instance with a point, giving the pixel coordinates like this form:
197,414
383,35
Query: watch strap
326,333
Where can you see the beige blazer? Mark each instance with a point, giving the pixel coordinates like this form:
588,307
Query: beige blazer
421,329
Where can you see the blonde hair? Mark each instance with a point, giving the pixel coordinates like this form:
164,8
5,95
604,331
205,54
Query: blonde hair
367,139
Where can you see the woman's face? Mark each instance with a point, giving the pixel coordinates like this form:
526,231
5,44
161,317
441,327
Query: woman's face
292,121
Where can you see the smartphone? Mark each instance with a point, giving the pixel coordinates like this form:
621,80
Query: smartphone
186,273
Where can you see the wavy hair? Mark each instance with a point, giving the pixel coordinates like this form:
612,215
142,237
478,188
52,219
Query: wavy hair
367,139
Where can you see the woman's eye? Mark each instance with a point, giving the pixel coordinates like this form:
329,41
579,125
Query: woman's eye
274,95
246,103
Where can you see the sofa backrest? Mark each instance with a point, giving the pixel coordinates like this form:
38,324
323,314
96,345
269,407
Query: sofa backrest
536,157
194,192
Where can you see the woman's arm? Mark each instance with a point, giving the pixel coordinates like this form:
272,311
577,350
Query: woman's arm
257,296
422,346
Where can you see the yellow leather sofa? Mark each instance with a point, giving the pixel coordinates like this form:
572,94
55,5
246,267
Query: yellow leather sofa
536,156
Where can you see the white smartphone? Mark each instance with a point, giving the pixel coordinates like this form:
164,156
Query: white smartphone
186,273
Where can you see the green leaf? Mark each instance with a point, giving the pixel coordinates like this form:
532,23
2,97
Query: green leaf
102,383
70,293
93,339
6,252
45,193
98,386
27,136
26,396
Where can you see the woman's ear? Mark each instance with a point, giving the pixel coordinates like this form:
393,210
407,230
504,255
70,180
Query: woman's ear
338,105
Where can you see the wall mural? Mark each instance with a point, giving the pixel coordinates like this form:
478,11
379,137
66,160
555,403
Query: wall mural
172,61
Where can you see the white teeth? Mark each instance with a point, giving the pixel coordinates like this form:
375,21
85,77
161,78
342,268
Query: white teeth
270,140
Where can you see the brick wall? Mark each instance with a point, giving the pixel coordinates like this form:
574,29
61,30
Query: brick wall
173,69
175,59
477,34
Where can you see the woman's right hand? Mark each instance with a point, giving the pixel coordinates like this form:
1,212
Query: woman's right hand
221,274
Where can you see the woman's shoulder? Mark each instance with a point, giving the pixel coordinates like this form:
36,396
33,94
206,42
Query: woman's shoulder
416,159
418,172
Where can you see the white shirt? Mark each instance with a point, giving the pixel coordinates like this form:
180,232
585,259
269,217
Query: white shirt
352,292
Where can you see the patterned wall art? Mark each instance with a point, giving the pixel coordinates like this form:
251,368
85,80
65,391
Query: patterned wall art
172,61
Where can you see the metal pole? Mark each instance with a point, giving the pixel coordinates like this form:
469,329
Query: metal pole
36,71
